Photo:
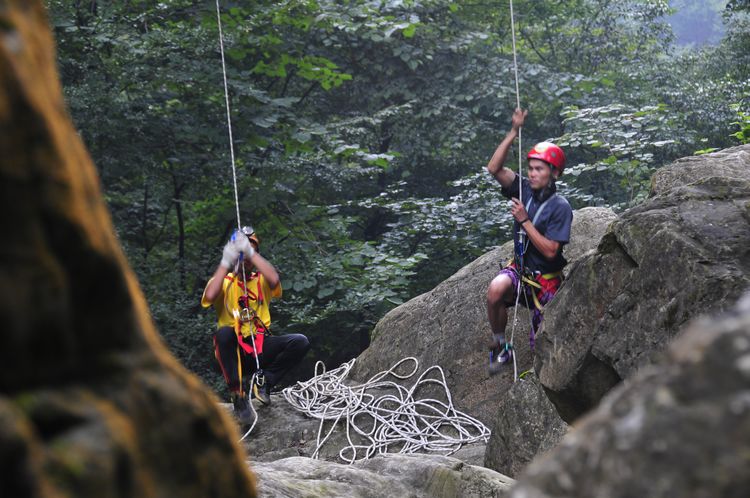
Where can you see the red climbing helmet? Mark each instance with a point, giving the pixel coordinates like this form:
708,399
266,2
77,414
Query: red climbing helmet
550,154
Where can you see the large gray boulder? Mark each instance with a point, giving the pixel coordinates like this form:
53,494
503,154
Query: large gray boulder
448,325
526,424
727,163
683,252
388,476
680,427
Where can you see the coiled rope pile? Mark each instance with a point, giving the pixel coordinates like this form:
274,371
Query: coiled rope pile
382,416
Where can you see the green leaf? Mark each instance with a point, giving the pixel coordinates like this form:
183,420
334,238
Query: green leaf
324,292
705,151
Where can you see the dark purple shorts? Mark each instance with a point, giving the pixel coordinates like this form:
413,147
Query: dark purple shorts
544,295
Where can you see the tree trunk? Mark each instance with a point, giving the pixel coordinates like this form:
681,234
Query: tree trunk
180,228
144,220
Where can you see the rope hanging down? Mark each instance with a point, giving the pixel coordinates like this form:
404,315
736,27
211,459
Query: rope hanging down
236,195
382,415
229,114
521,233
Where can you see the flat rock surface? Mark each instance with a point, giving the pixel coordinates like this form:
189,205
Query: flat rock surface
417,476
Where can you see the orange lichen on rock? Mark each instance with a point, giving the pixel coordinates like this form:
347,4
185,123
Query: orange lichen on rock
91,402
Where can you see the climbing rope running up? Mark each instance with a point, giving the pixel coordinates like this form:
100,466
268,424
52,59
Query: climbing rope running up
236,195
521,233
229,114
382,416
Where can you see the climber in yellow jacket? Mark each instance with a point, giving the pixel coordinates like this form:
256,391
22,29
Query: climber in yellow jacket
241,299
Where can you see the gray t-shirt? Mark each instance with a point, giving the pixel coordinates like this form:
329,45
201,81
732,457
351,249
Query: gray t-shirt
553,221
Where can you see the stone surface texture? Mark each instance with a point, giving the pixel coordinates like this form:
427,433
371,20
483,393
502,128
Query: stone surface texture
682,253
412,476
526,425
91,402
680,427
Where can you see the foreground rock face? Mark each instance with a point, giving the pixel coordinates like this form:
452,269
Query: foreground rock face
92,404
526,425
448,325
678,428
420,476
682,253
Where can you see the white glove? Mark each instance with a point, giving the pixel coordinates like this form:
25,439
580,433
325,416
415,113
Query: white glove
230,255
243,245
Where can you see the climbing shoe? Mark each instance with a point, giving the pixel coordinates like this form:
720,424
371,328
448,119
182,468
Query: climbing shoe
242,409
500,353
262,393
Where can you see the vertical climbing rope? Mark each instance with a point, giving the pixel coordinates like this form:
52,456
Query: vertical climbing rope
521,232
236,197
229,114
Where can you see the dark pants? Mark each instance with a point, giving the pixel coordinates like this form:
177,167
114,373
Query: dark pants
280,354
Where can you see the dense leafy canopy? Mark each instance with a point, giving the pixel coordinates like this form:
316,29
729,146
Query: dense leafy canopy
361,131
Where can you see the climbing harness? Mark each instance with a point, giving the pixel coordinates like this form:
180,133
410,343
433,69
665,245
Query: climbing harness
246,315
257,379
381,415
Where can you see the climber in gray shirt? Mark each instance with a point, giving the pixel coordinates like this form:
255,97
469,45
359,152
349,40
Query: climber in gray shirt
541,228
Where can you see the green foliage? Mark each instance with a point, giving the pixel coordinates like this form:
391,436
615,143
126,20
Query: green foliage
705,151
589,37
619,143
743,121
738,5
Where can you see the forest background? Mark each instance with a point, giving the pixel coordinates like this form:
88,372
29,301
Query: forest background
362,129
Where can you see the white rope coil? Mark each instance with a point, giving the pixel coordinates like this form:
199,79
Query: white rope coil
383,416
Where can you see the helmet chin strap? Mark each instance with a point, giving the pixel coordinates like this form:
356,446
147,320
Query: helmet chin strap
545,193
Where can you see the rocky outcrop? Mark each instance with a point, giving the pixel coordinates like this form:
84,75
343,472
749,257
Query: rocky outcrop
422,476
91,403
681,253
680,427
727,163
526,425
630,289
448,325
